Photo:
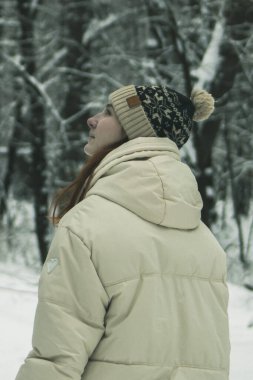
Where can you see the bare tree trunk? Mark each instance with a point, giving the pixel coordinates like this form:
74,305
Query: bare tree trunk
35,123
11,158
203,142
234,196
74,20
220,87
6,179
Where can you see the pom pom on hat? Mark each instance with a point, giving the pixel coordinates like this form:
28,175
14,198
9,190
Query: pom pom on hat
203,103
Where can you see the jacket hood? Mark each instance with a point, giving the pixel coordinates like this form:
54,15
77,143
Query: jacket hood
146,176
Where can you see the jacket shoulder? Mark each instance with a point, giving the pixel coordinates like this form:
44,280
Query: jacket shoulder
80,217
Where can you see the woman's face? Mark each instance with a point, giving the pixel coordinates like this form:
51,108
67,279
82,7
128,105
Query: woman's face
104,130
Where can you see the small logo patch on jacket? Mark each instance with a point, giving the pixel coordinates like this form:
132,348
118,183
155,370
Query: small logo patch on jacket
52,264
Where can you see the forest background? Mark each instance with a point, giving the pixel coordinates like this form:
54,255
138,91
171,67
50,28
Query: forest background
58,62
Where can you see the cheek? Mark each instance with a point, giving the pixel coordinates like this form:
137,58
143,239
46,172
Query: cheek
105,131
108,132
101,132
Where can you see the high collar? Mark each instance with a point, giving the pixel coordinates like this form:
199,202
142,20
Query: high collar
146,176
140,147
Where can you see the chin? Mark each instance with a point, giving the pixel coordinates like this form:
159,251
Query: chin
86,150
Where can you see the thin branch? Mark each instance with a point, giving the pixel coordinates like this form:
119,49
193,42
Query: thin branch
180,48
90,75
242,61
41,91
250,235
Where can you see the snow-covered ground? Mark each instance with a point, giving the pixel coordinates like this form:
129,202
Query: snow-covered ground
18,299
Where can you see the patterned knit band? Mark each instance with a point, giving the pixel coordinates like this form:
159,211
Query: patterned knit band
153,111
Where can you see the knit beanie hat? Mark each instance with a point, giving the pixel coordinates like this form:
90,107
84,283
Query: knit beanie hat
160,111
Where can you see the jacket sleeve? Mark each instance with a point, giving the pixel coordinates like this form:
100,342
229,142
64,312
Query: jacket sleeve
69,318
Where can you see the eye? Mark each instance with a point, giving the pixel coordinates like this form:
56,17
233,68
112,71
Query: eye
107,111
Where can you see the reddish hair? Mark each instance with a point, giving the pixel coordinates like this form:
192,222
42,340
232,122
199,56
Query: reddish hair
66,198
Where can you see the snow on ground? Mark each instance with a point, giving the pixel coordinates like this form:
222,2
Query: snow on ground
18,300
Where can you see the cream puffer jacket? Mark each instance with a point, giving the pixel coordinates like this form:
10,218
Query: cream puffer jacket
134,285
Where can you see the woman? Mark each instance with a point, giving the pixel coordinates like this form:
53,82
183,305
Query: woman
134,285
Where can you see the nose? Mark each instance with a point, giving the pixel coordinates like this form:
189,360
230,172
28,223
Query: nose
91,122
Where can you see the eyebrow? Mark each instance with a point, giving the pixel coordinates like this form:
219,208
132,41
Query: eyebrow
109,106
